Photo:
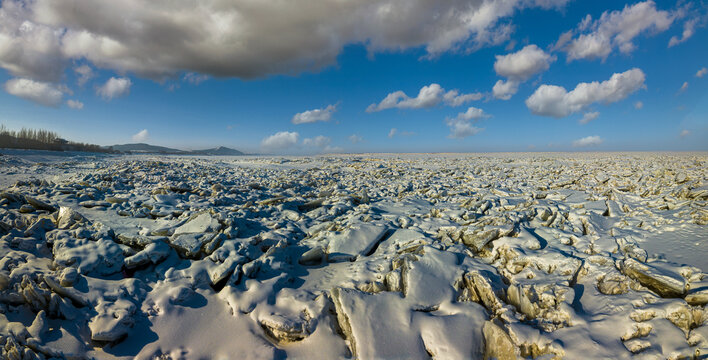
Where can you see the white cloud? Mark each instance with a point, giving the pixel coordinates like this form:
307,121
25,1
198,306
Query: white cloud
518,67
141,136
505,89
240,38
84,73
684,87
355,139
392,132
702,72
638,105
29,49
310,116
565,38
556,101
587,141
461,126
75,104
454,98
614,30
428,96
280,140
589,116
462,129
472,113
523,64
114,87
689,28
194,78
40,92
684,133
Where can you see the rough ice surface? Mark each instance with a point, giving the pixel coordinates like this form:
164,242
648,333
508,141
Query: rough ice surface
578,256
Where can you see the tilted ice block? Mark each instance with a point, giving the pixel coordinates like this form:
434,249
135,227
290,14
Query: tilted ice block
430,279
283,329
659,279
67,292
199,223
313,256
38,204
498,344
190,245
354,242
697,296
153,253
377,326
68,217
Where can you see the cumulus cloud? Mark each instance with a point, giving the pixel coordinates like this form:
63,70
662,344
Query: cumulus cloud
684,87
523,64
505,89
518,67
454,98
239,38
638,105
556,101
614,30
588,141
428,96
461,126
37,91
75,104
84,73
472,113
462,129
311,116
280,140
114,87
589,116
689,28
141,136
701,73
355,139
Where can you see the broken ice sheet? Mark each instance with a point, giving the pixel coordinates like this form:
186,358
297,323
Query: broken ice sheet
386,256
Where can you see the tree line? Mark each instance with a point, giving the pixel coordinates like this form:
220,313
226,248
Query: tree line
40,139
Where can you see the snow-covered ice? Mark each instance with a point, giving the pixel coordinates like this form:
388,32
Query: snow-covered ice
375,256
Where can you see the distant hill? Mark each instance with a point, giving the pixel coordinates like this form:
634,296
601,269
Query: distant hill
146,149
142,148
220,151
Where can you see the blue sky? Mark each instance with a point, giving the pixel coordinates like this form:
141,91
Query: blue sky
647,96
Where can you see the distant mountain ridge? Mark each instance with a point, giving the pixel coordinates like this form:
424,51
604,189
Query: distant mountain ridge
142,148
221,150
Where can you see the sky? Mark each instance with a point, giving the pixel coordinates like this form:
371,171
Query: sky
325,76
